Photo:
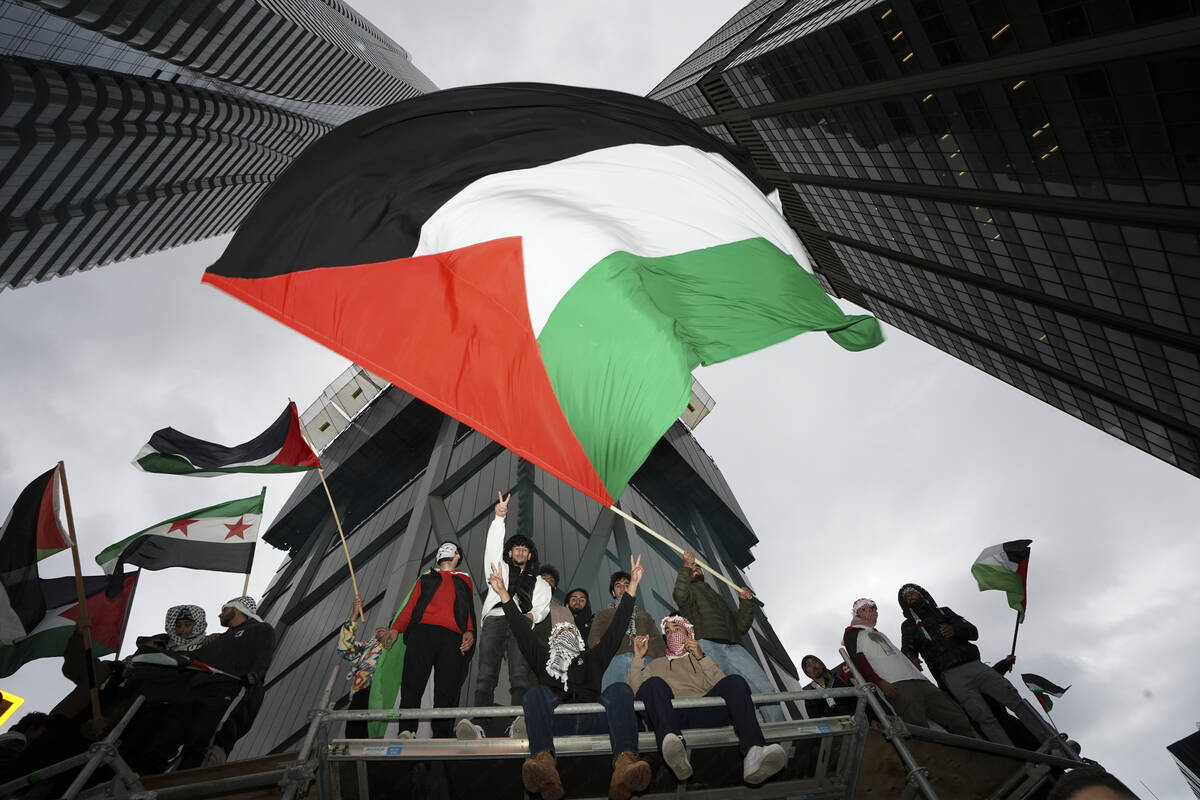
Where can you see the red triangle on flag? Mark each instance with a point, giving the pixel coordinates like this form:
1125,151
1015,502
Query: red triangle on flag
108,615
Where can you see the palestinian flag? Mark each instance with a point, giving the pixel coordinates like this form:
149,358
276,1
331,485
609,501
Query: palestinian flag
48,638
30,533
280,448
1004,567
219,538
1043,689
546,264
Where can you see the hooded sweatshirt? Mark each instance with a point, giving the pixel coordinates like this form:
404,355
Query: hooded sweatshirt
583,617
920,633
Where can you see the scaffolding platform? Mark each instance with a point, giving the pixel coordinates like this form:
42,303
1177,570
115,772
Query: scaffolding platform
843,757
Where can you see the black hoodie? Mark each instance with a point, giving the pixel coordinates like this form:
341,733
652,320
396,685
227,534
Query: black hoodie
521,582
583,617
920,633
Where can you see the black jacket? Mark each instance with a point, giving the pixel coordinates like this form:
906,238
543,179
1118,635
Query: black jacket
585,672
920,634
244,651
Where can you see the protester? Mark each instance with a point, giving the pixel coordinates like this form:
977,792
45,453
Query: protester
438,623
945,640
641,625
720,630
243,654
684,671
363,657
517,559
580,604
17,739
570,672
913,696
824,678
1090,783
556,612
184,631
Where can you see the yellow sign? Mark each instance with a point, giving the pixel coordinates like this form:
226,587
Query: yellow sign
9,703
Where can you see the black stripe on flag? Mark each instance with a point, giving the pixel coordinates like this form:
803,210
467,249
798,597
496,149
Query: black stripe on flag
360,194
209,455
1017,550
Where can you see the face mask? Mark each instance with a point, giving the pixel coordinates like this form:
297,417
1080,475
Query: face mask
675,640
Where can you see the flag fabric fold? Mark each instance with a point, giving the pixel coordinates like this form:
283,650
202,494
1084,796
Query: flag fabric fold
280,448
546,264
48,638
1043,689
1005,567
219,538
30,533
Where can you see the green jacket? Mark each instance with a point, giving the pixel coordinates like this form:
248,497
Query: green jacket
708,612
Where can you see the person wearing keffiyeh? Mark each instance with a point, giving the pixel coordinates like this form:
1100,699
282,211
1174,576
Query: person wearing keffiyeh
686,671
641,624
569,672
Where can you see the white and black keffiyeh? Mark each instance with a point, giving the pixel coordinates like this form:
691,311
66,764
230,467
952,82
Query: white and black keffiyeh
199,626
565,644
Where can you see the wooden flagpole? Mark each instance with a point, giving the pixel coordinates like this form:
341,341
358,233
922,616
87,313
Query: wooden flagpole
337,521
675,547
246,583
84,624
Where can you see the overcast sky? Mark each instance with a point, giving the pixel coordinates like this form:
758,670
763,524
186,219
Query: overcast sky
859,471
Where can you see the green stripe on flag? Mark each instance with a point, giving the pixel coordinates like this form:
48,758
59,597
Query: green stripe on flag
175,465
991,576
621,344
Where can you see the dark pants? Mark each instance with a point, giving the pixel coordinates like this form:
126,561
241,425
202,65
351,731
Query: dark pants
543,724
359,701
432,648
202,714
495,641
664,718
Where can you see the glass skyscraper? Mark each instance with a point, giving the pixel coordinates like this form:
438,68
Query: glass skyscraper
1013,181
406,477
129,126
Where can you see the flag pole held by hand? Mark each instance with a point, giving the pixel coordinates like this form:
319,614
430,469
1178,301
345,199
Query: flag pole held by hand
676,548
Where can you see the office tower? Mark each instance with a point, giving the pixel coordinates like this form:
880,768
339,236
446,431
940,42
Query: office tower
405,477
1014,182
132,126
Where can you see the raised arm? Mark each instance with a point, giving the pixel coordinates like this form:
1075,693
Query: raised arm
518,623
493,548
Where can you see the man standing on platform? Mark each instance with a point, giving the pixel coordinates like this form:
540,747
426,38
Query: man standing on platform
517,560
720,630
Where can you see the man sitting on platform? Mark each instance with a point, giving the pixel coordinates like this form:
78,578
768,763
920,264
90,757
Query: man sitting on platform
569,672
683,672
640,625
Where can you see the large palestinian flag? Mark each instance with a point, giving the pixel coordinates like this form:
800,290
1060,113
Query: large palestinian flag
48,638
1005,567
280,448
546,264
219,538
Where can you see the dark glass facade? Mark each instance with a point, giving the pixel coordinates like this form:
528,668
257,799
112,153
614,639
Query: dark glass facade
406,477
129,126
1014,181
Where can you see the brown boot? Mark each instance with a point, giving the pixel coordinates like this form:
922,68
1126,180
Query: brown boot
541,777
630,775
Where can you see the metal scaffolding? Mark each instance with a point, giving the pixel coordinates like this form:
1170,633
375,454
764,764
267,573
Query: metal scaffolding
827,758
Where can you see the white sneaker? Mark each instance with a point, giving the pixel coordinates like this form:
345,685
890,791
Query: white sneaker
675,754
406,735
517,731
762,762
465,729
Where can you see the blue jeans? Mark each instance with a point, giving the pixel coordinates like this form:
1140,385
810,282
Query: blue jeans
617,670
542,724
734,660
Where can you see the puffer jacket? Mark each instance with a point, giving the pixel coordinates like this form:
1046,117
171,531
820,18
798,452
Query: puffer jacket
708,611
920,633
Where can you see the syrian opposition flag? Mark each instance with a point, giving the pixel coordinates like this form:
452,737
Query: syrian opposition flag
219,538
546,264
48,638
280,448
30,533
1005,567
1043,689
